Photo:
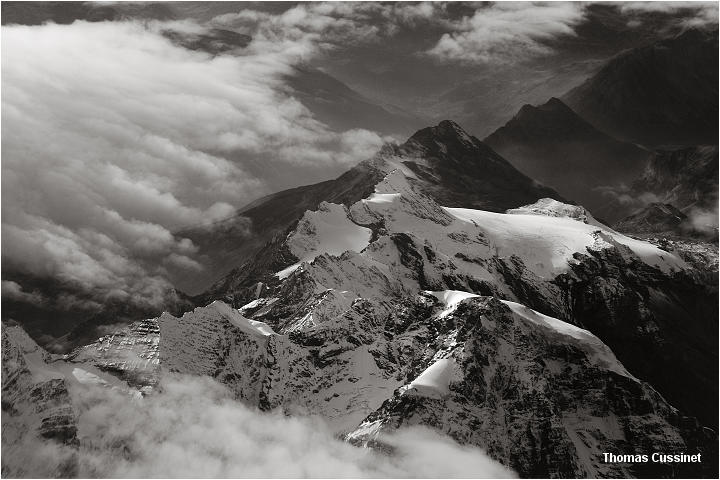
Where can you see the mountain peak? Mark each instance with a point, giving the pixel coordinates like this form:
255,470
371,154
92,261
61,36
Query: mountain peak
554,145
449,125
555,104
552,119
447,133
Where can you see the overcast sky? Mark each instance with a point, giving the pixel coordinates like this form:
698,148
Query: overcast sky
114,138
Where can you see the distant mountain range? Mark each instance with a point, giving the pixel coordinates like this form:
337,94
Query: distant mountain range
607,133
657,219
335,104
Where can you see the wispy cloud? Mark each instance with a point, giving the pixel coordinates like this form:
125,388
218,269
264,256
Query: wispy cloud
690,14
193,428
314,26
507,31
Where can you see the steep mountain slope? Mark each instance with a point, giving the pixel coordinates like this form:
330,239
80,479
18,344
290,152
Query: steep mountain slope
490,97
43,407
405,312
660,94
509,382
663,220
552,144
445,162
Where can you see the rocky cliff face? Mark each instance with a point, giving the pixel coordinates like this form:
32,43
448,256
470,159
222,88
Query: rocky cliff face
35,404
517,382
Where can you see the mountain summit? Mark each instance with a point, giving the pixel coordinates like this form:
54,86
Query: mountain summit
444,162
557,147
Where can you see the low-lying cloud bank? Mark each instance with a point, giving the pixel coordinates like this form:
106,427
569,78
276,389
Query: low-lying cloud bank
193,428
114,138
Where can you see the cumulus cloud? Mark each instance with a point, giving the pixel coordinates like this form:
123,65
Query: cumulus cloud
192,427
507,31
114,138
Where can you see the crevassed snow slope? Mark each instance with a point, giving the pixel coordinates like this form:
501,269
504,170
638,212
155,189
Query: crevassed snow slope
326,230
546,244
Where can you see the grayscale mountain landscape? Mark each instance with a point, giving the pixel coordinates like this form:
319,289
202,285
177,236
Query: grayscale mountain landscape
362,239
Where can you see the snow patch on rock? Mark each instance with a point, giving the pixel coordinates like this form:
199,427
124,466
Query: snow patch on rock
450,298
251,327
434,381
381,198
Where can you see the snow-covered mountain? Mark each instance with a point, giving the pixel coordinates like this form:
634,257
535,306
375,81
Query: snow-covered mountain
538,334
449,165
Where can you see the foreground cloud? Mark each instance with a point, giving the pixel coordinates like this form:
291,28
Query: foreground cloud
114,138
193,428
